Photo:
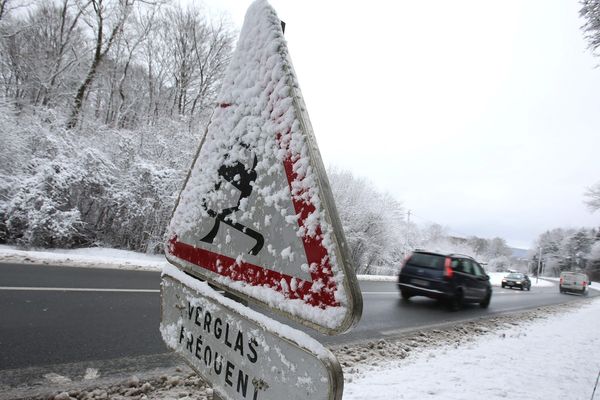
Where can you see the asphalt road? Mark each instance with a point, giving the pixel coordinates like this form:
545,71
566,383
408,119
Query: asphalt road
59,315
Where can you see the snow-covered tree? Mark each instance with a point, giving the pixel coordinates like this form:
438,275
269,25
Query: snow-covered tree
371,220
565,249
592,195
499,264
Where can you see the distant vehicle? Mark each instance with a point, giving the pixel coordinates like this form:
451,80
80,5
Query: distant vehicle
452,278
574,282
516,280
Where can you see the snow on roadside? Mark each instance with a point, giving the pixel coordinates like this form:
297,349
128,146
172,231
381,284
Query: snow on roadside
550,358
377,278
97,257
496,280
100,257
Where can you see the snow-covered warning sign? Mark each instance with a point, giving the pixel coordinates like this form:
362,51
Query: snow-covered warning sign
256,216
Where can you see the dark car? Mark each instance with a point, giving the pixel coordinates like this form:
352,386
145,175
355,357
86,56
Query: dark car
516,280
452,278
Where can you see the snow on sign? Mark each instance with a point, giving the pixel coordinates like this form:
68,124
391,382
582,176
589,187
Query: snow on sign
242,353
256,215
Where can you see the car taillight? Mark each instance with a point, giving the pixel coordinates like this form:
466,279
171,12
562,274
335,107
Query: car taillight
584,283
561,280
448,272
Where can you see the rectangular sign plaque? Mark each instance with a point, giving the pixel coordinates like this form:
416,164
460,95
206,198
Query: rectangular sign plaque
243,354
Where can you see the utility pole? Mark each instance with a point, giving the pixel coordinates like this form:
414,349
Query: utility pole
537,278
407,242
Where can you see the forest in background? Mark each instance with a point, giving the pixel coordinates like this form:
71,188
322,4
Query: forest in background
102,106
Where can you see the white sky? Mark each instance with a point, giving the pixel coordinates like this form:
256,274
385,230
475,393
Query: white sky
478,115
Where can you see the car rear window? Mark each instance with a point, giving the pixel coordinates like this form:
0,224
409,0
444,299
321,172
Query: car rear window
432,261
573,275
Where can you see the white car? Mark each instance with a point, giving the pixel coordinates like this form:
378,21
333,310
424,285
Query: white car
576,282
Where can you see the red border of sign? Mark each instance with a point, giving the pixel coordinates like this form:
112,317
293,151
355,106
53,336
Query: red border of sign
322,296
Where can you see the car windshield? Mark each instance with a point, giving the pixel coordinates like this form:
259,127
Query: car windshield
515,276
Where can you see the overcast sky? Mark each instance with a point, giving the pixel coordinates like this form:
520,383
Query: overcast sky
482,116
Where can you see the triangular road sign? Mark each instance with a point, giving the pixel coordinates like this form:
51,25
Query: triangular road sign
256,215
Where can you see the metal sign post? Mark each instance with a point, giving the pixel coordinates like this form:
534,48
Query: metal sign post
244,354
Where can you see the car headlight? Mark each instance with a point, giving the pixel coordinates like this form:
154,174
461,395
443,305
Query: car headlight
503,280
518,282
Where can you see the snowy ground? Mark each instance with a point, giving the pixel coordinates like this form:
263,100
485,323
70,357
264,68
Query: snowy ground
553,357
548,353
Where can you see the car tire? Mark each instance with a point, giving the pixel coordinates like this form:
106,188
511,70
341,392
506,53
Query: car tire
503,285
522,287
406,295
455,303
486,301
529,288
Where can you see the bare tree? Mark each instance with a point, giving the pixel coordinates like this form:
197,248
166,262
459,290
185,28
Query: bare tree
99,21
3,7
590,12
212,48
67,34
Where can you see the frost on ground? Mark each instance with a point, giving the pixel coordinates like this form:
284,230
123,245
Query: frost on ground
554,351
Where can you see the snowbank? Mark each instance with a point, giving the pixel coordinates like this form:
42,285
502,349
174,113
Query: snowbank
100,257
97,257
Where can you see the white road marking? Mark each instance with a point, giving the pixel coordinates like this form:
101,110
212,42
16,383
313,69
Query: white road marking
55,289
394,293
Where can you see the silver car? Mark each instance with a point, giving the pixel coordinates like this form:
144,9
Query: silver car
575,282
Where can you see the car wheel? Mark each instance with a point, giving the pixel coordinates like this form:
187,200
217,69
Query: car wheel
486,301
503,285
405,295
522,287
456,302
528,288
